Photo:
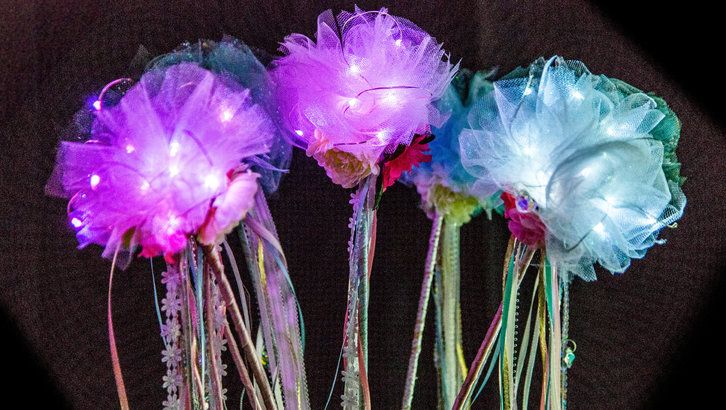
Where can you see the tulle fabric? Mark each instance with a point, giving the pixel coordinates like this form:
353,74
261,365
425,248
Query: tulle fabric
588,151
366,85
445,167
153,164
234,60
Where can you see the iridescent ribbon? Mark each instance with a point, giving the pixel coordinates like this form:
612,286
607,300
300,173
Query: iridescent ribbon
355,344
428,276
281,318
451,364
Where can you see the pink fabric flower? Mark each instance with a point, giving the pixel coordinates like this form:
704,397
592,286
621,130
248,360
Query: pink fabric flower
157,163
367,83
525,226
229,208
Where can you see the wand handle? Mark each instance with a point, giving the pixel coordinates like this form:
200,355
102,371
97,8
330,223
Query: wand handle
246,341
422,309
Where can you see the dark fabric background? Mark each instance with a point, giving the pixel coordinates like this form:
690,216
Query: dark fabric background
638,335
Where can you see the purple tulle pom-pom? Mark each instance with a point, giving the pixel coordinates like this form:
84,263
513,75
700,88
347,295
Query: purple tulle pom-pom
361,90
165,163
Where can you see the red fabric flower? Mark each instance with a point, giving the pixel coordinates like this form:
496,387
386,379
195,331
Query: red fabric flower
413,155
525,226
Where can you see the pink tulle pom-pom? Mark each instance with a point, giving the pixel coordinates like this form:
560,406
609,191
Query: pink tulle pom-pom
364,88
165,163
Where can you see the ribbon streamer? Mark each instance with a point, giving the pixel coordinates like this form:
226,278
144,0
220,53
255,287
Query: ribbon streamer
422,309
452,366
355,342
281,319
118,376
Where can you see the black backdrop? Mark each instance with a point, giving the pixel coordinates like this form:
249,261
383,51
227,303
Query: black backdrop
644,339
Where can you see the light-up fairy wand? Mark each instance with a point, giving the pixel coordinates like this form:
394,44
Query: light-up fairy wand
589,175
450,196
171,166
359,101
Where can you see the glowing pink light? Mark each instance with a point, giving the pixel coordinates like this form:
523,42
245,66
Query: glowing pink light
354,69
173,224
174,148
212,182
97,105
77,223
226,115
130,148
353,103
95,180
174,170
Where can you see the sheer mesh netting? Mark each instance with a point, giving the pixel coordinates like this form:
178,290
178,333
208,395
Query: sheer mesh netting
178,127
365,87
589,151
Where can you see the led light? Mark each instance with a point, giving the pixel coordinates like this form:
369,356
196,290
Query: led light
211,181
586,171
174,148
173,170
577,95
381,135
130,148
299,132
97,105
354,69
599,228
226,115
528,150
77,223
145,186
528,91
172,225
353,103
95,180
398,42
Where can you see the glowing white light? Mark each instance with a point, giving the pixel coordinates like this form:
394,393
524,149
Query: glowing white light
577,95
172,224
354,69
226,115
174,170
211,181
145,186
174,148
77,223
528,91
611,131
650,220
586,171
95,180
97,105
353,103
528,150
599,228
299,132
381,135
398,42
130,148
